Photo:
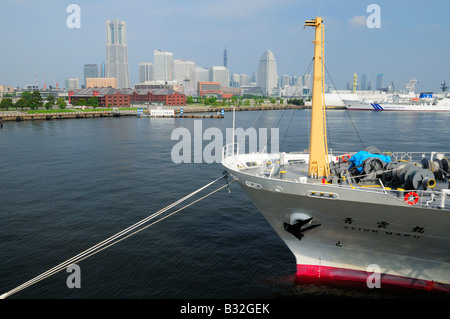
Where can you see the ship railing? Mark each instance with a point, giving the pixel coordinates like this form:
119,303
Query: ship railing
231,157
437,199
417,156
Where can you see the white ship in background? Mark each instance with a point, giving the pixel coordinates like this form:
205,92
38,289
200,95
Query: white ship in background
409,101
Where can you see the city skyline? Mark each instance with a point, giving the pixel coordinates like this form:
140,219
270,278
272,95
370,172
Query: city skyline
244,28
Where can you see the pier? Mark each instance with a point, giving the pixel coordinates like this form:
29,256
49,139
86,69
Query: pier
179,112
18,117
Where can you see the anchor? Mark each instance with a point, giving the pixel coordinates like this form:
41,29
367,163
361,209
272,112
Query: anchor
298,228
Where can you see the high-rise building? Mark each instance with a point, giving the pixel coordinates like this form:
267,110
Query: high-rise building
184,74
220,74
90,71
201,75
267,77
364,82
182,70
163,65
379,84
306,81
103,70
285,80
116,53
145,72
225,58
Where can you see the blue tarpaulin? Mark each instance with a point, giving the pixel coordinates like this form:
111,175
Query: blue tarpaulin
360,157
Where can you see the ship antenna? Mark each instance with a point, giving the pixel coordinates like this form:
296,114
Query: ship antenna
318,148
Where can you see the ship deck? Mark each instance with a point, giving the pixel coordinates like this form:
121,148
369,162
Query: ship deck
293,167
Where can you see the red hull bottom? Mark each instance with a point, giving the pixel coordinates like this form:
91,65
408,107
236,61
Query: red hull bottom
311,274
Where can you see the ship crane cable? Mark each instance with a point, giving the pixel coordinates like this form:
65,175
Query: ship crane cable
121,235
348,114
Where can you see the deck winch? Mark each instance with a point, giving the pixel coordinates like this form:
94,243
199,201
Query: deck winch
366,169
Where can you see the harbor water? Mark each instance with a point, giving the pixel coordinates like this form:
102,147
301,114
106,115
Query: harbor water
66,185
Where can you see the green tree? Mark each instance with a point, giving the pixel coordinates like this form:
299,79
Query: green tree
26,95
81,102
50,102
36,100
22,102
51,99
93,101
6,103
61,103
190,100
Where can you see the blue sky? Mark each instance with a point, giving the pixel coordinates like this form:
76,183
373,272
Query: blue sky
413,40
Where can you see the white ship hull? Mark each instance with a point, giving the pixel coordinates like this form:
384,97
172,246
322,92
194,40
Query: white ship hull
440,106
355,230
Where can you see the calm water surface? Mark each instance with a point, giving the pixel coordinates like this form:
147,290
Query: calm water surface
67,185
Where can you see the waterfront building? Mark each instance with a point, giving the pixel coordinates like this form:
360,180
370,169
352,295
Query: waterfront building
230,92
220,74
116,53
101,83
209,89
163,96
110,97
267,77
107,97
145,72
90,71
163,65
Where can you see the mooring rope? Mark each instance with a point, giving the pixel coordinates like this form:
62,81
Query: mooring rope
117,237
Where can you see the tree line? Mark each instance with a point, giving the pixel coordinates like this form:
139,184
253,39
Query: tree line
34,101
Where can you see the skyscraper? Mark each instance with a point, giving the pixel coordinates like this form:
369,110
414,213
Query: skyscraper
163,68
306,81
103,70
267,77
379,84
90,71
201,75
116,53
363,82
225,58
220,74
145,72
